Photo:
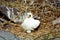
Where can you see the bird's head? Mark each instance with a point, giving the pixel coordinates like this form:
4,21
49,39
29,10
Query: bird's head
29,15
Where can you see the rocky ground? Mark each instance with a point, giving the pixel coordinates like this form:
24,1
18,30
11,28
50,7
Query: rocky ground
49,28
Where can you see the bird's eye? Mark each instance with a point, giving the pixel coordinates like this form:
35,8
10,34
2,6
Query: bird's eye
29,15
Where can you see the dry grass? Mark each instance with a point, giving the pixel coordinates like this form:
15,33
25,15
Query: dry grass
47,12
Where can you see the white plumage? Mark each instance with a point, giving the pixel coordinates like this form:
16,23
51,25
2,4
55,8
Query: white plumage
30,23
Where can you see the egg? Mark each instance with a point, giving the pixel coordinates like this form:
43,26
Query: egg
30,23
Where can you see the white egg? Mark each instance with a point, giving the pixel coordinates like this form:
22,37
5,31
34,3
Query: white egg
30,23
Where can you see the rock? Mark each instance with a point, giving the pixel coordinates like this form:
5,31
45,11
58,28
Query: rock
4,35
56,39
8,13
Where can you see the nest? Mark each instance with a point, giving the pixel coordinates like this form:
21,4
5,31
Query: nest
43,9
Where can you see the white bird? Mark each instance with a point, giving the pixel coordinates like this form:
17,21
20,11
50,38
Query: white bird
30,23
